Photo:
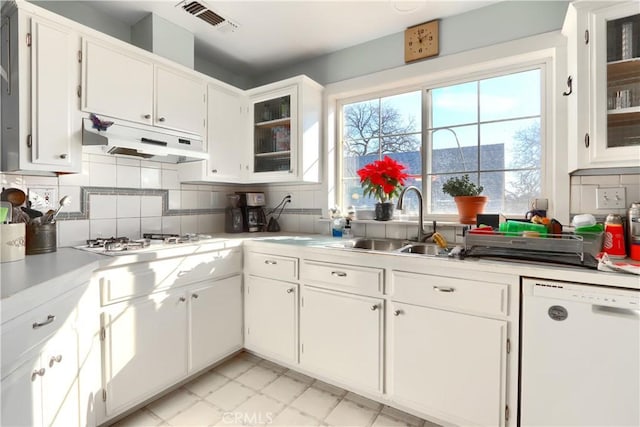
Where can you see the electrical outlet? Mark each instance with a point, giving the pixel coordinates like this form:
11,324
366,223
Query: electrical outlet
43,199
610,198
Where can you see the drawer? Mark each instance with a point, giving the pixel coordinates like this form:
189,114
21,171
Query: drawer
449,293
33,329
343,276
204,266
271,266
143,278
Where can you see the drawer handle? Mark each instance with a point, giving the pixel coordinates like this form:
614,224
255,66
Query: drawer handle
443,289
161,119
270,262
397,312
195,296
182,299
54,360
37,372
50,318
374,307
339,273
291,290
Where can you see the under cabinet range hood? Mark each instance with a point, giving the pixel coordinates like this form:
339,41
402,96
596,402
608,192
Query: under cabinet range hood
139,141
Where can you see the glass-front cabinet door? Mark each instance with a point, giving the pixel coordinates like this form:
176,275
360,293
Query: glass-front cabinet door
274,133
615,102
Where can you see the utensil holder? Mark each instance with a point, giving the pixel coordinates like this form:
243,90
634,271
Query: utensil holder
41,239
12,242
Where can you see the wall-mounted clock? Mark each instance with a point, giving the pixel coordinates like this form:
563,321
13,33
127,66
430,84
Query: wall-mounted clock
421,41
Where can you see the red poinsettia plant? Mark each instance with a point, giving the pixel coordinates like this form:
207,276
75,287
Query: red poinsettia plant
382,179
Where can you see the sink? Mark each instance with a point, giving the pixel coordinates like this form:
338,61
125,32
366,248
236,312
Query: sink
384,245
422,249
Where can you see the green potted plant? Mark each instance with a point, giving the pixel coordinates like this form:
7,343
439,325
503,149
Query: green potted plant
467,196
383,180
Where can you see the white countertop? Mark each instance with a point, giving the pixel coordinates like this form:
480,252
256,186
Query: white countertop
30,282
38,278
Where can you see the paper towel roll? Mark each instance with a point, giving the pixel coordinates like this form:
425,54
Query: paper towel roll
12,242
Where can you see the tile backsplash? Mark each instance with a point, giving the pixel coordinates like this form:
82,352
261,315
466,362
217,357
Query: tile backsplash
118,196
583,193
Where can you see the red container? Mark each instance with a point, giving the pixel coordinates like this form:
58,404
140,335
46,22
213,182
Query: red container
614,240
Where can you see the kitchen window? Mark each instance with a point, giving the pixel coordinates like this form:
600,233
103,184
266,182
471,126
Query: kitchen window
489,128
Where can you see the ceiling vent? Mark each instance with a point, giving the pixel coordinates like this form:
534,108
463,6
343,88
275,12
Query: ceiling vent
201,10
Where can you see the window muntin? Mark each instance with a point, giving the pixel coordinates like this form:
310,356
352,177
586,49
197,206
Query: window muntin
374,128
489,128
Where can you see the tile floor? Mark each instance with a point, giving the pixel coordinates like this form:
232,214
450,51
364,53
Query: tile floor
248,390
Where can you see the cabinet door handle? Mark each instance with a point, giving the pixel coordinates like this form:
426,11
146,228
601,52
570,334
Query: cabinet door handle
50,318
147,116
569,90
290,290
54,360
63,156
161,119
183,272
339,273
195,296
270,262
214,170
37,372
443,289
374,307
586,140
397,312
182,299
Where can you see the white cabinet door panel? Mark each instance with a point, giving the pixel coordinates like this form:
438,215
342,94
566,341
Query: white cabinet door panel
449,364
225,135
180,102
215,322
21,393
271,318
116,84
341,336
145,348
53,93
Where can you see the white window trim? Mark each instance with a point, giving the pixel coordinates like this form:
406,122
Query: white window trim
546,49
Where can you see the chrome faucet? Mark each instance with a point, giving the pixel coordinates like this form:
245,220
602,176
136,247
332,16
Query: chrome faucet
422,234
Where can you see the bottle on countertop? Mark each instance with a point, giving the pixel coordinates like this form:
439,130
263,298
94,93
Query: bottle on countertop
614,237
346,230
633,231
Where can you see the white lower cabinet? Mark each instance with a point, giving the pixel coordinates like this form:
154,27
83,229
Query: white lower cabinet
271,318
145,348
44,390
341,337
450,365
215,321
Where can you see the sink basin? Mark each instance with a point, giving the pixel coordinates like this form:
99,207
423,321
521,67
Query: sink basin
422,249
384,245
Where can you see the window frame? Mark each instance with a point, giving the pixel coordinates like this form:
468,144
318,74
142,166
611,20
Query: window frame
545,66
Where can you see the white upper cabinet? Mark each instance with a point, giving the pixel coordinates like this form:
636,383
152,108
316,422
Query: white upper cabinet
226,139
604,63
40,130
180,101
116,83
285,131
125,85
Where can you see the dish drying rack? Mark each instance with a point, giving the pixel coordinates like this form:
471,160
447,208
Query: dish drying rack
568,244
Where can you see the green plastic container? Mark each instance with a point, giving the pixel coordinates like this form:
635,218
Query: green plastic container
515,228
589,229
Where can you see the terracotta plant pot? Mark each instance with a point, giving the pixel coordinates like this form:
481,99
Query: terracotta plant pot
469,207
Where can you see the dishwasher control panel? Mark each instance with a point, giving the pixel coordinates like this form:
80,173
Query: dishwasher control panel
596,295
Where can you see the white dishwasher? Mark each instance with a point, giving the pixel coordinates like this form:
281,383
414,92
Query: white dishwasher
580,355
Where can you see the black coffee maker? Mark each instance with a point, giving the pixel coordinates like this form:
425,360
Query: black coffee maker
252,207
233,219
